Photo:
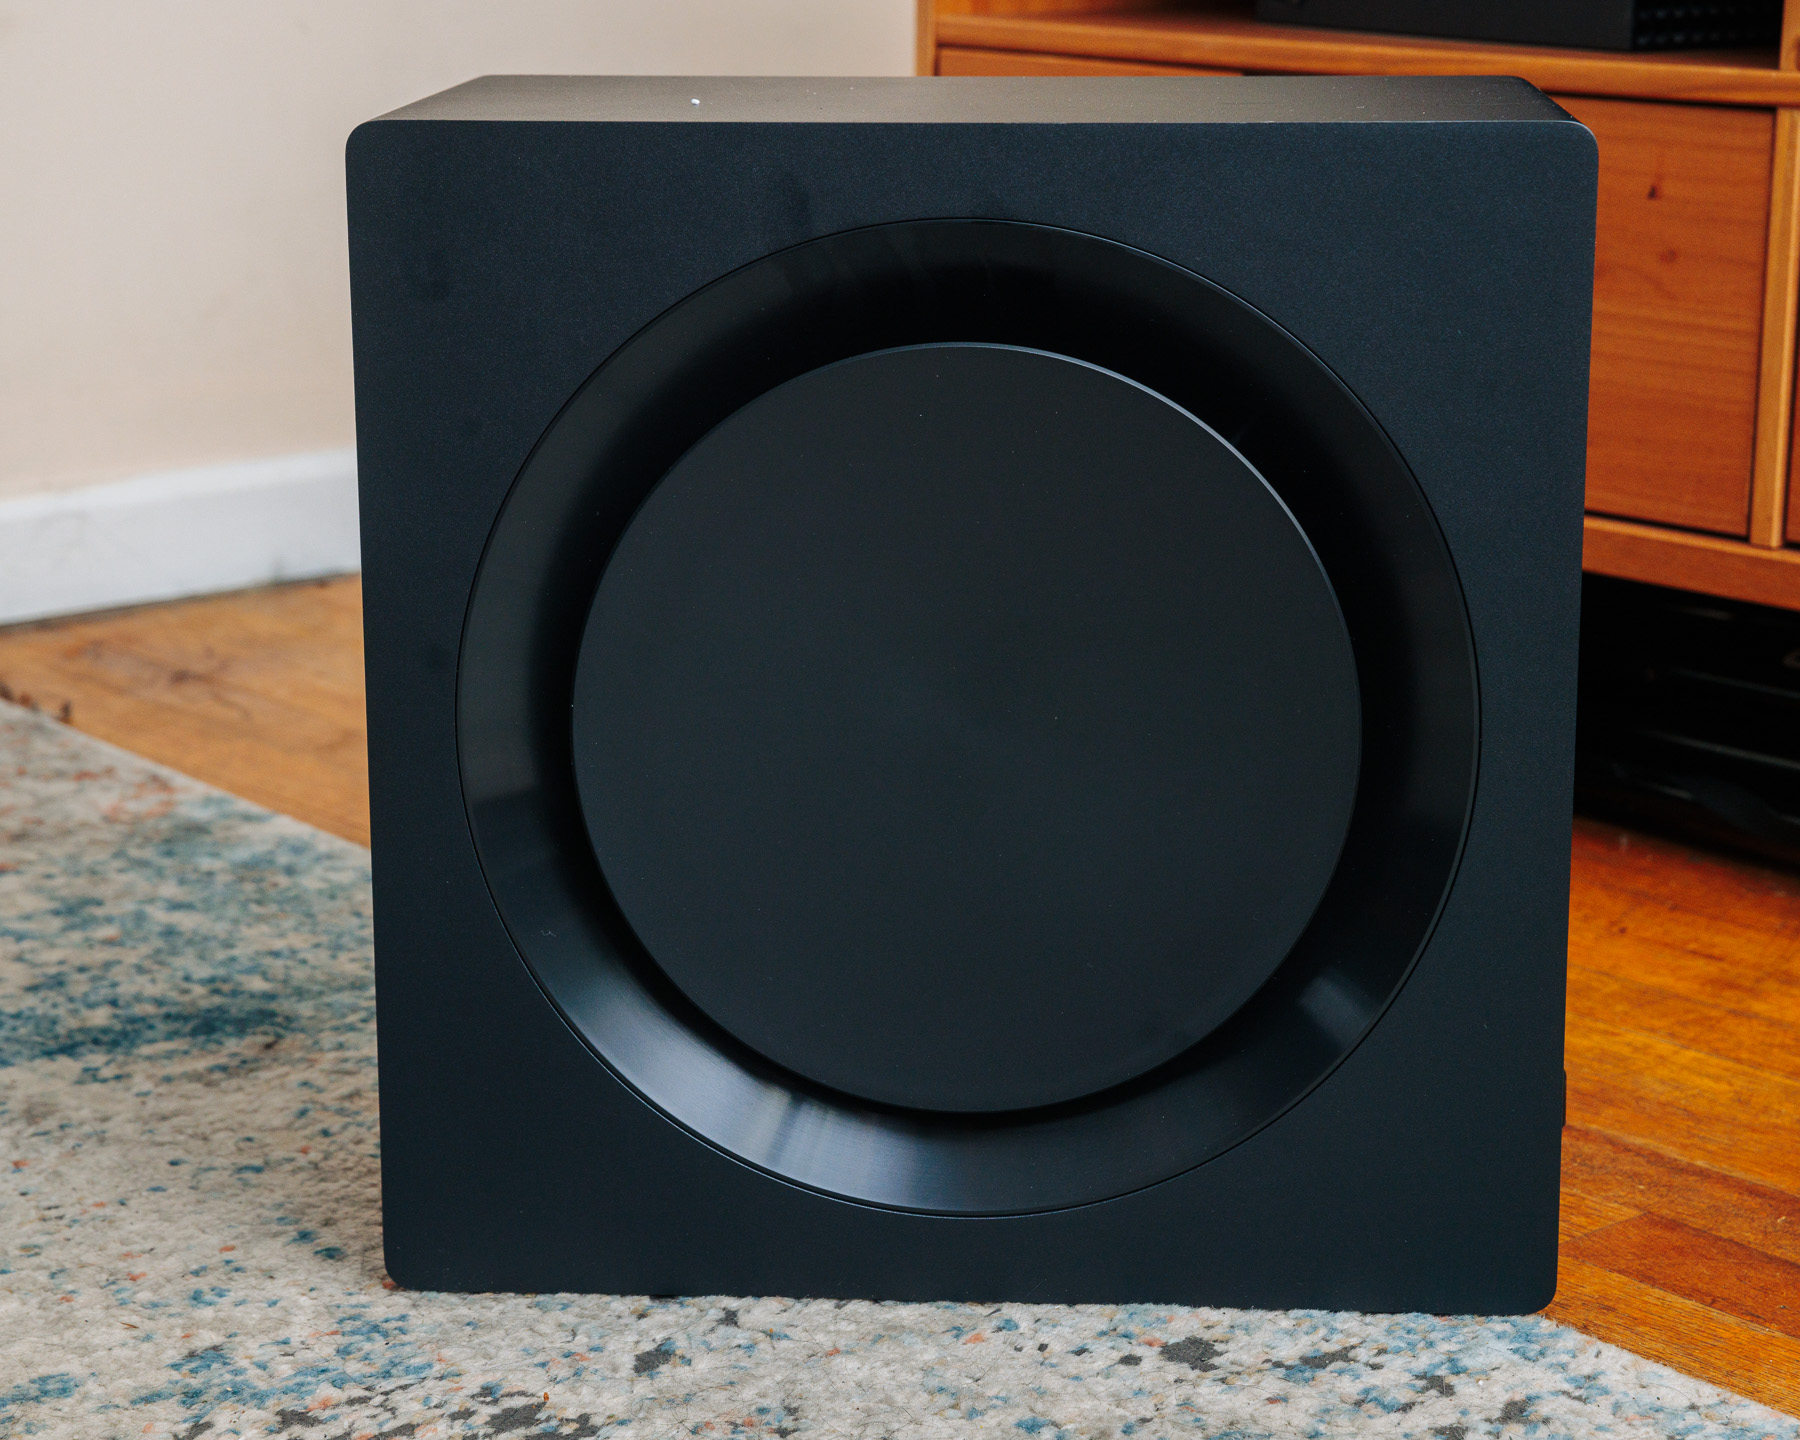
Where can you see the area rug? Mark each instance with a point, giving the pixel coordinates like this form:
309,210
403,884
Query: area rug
190,1230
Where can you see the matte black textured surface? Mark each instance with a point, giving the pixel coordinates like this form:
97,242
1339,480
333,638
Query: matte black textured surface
1590,24
1687,715
933,684
497,262
779,319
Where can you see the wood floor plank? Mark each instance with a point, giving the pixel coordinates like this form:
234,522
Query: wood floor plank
1603,1169
1763,936
1684,999
260,693
1649,866
1685,1103
1697,1024
1583,1214
1720,1274
1736,967
1683,1334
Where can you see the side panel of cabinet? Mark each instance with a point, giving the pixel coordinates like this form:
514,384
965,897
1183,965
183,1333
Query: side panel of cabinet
1678,294
1792,498
956,60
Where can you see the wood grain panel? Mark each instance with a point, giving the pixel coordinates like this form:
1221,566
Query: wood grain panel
1056,7
928,13
1781,296
1688,561
1222,34
1678,298
954,60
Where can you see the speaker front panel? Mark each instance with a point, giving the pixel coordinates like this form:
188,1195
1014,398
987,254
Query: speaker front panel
967,717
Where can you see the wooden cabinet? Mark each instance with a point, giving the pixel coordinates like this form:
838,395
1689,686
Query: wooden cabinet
1697,261
955,60
1678,292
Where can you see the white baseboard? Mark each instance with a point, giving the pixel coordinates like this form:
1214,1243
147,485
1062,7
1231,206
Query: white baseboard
181,532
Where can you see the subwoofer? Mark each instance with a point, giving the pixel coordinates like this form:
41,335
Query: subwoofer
971,684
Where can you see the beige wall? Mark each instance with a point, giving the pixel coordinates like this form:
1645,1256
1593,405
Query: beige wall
173,288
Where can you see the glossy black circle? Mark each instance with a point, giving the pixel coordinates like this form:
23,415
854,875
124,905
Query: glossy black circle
966,728
1001,283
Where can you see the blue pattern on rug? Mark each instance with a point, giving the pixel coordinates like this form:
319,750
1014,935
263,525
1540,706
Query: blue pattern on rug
192,1229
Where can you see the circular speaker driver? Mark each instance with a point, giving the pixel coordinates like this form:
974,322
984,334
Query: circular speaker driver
966,728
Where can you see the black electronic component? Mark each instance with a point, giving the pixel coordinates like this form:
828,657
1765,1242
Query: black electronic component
1689,717
1585,24
971,683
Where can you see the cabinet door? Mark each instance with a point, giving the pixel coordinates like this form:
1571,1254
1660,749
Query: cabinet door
1678,292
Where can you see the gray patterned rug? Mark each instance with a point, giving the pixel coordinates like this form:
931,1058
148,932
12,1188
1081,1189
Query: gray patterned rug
190,1238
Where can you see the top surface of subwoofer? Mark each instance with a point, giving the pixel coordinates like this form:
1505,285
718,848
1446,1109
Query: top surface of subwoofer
966,728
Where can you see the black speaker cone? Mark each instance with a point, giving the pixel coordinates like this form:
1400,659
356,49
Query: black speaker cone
966,728
1144,934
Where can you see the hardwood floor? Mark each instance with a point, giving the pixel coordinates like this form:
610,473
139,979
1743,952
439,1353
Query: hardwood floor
259,693
1681,1163
1681,1170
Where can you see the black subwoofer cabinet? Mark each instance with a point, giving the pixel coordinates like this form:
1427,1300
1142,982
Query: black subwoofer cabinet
971,684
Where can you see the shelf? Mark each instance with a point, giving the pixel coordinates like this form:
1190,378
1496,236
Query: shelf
1222,36
1688,561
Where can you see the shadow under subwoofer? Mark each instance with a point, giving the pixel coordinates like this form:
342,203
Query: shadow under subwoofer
971,684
